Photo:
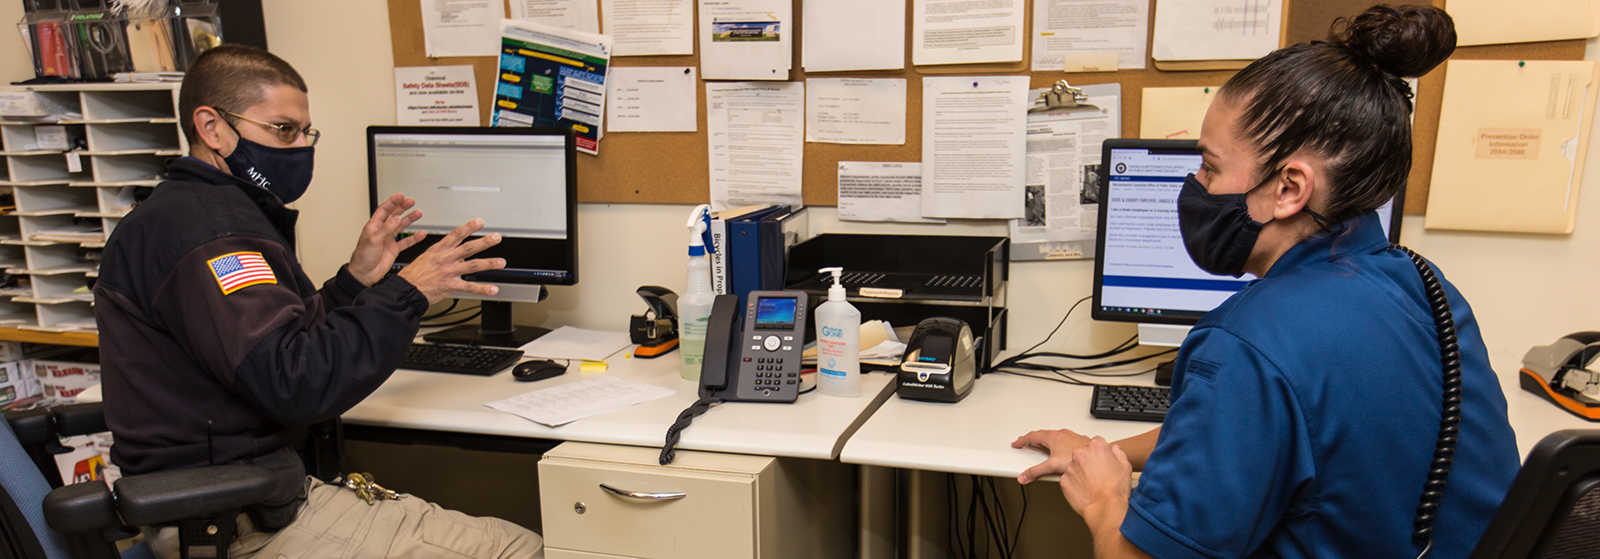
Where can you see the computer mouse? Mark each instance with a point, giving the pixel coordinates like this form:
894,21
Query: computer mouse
537,369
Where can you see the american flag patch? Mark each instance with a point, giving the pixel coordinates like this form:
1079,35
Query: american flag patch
240,270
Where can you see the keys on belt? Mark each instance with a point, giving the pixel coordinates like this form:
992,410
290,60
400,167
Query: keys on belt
368,489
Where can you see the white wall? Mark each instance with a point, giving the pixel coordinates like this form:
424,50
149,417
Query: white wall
1527,289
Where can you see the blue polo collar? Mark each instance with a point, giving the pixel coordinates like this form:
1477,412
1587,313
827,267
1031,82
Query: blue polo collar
1362,234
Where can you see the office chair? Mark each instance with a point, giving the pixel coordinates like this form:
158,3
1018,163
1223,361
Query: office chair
82,521
1553,507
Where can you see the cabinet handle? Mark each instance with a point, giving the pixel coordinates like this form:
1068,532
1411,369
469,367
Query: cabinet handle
643,496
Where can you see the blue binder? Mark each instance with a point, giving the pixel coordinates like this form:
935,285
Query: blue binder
744,252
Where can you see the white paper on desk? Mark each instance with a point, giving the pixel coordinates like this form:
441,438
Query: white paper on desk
652,99
1064,30
877,191
560,405
965,32
567,342
649,27
565,14
1063,186
1216,29
845,35
974,146
745,39
856,111
436,96
756,137
461,27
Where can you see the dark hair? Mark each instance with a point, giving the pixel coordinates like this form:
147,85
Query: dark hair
1345,100
233,78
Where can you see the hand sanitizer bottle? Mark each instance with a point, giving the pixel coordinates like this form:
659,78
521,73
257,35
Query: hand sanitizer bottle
694,307
838,342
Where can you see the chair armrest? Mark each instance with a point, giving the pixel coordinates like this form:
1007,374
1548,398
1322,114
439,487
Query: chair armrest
174,495
33,427
80,507
79,419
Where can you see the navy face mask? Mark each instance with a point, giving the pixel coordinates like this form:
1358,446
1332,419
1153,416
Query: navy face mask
285,172
1217,228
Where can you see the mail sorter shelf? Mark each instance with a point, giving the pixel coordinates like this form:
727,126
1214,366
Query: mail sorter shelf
904,279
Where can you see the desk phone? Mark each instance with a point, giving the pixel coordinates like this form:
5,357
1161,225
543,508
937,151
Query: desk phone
760,347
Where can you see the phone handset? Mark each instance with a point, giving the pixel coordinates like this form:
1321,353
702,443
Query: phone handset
1450,423
721,328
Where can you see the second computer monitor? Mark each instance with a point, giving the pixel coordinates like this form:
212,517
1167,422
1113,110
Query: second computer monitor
521,181
1142,271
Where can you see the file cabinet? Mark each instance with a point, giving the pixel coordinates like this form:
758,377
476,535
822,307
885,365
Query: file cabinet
611,501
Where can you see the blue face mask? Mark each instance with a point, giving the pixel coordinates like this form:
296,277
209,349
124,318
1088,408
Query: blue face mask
285,172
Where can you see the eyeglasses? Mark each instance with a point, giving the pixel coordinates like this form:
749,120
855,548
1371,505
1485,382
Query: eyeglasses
287,133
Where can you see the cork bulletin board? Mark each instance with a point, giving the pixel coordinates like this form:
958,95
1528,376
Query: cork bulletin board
672,167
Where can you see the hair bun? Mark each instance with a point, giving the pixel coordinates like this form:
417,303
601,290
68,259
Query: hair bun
1404,41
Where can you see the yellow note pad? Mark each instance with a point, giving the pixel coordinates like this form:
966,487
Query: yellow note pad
1512,139
1174,113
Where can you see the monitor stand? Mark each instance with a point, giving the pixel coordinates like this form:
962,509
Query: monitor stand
1164,335
494,329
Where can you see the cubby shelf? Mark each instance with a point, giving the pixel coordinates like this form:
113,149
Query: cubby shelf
65,211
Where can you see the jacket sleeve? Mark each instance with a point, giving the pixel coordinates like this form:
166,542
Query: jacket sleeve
341,290
292,356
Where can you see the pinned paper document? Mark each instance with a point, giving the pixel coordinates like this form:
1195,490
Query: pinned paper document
1511,160
1174,113
1485,22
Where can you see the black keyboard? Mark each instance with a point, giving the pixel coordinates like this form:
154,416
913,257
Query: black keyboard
470,360
1137,403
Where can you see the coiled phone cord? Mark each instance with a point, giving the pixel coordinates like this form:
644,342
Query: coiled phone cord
1450,423
668,450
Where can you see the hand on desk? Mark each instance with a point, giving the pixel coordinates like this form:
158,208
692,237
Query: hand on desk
1060,443
1097,483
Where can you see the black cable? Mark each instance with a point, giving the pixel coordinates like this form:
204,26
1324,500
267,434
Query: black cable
1450,414
668,450
1058,324
453,303
1021,518
453,323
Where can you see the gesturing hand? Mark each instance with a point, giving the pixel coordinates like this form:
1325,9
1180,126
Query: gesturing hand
437,272
377,248
1059,443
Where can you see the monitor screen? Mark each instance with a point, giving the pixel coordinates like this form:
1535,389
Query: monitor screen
521,181
1143,273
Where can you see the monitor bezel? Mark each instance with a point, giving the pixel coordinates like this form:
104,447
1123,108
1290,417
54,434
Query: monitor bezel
1096,310
569,154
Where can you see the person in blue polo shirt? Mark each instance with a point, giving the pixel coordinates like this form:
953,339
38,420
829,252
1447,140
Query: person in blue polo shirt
1306,408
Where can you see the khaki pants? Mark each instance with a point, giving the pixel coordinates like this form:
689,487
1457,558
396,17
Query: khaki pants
334,522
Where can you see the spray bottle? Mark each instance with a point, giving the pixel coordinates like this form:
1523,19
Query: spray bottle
694,307
838,342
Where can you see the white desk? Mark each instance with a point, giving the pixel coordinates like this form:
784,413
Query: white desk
975,435
815,426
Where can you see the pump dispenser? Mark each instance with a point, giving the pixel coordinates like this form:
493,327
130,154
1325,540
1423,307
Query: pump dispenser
694,307
838,342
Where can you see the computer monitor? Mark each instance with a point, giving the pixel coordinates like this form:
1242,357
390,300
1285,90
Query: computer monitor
1143,273
521,181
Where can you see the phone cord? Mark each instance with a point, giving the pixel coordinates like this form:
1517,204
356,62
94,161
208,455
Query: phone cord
699,407
1449,425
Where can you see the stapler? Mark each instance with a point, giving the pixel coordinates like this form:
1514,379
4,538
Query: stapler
1565,373
656,331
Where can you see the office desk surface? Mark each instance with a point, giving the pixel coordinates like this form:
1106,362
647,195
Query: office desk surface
815,426
974,436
